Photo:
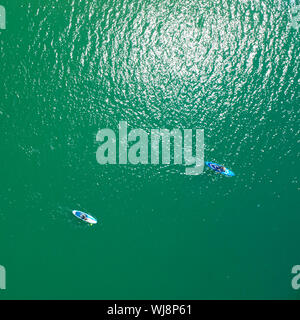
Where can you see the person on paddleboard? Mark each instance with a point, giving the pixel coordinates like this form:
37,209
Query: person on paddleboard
83,216
220,168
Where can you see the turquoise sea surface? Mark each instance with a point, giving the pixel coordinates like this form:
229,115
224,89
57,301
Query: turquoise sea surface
69,68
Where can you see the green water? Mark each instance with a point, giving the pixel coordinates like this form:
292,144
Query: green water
69,68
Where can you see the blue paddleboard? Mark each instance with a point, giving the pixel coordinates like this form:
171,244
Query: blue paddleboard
84,216
216,167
